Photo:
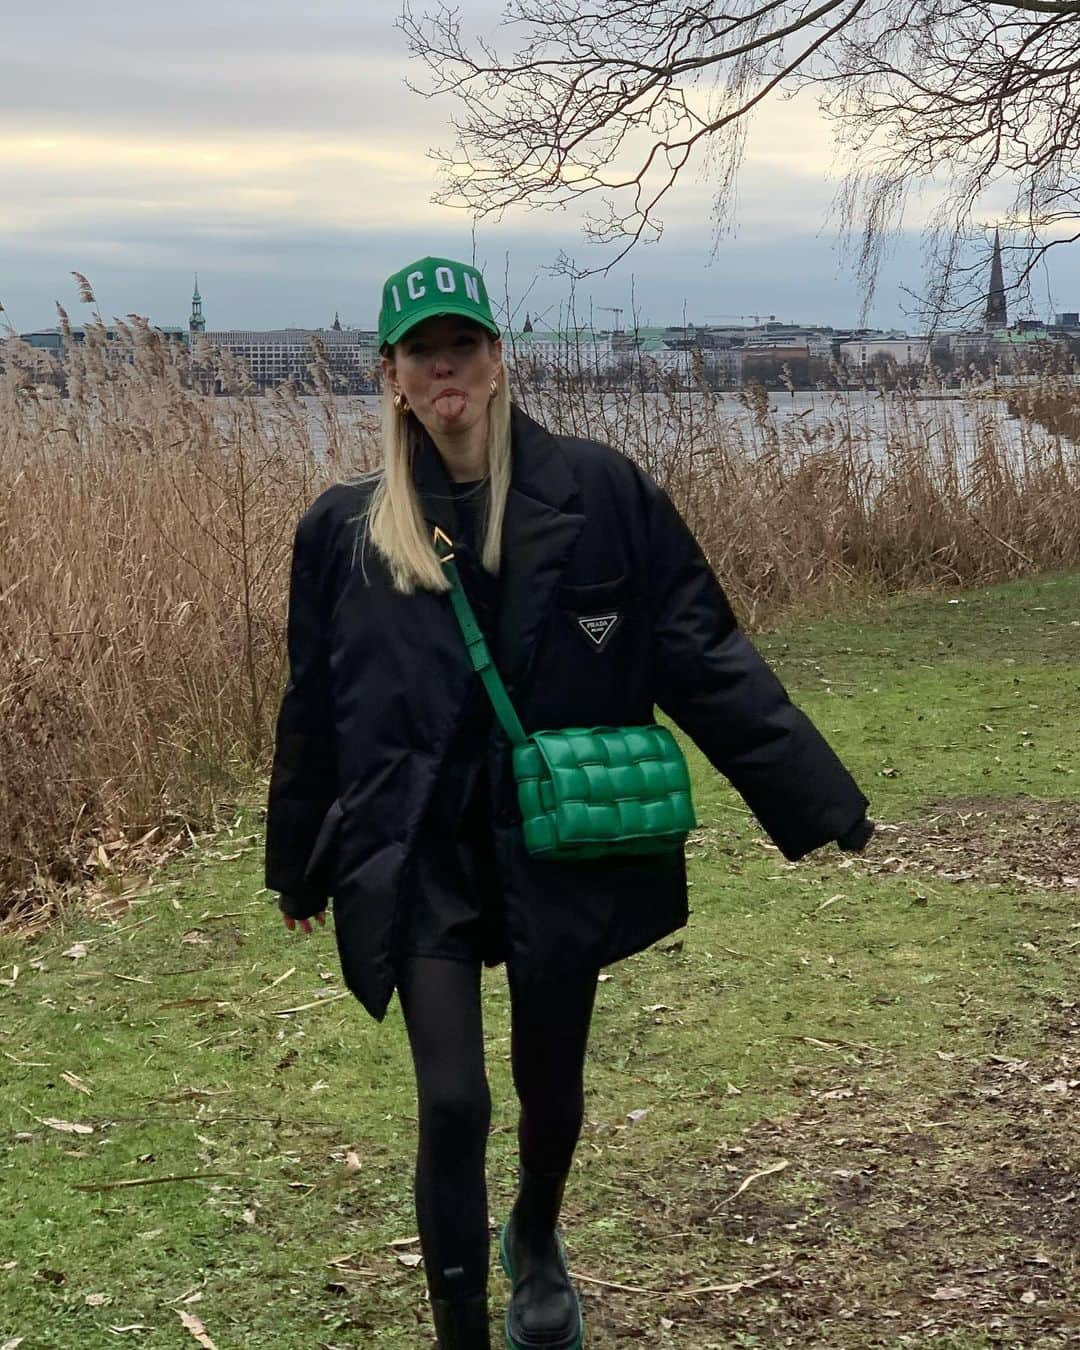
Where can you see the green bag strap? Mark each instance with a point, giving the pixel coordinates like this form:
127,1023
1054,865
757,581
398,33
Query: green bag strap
477,648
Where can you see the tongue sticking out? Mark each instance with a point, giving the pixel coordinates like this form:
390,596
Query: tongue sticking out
450,406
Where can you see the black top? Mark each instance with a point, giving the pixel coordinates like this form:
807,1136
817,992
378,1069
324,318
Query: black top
471,503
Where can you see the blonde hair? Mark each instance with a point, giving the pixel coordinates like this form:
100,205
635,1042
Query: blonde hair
393,520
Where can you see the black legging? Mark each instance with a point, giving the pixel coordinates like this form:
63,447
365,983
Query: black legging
549,1024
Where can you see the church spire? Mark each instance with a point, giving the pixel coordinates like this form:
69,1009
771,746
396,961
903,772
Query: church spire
196,324
337,322
997,316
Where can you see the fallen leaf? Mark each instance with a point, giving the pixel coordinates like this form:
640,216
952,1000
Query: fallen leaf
1028,1296
637,1114
79,949
411,1259
13,1344
77,1083
945,1292
192,1323
95,1300
67,1126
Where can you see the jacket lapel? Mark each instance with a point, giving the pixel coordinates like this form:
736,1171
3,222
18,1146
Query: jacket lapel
540,528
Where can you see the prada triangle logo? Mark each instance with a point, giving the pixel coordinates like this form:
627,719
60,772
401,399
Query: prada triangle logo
598,628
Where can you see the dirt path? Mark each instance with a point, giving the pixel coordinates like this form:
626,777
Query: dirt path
900,1219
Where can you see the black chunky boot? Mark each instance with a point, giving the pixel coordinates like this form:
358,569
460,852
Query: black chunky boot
544,1310
462,1323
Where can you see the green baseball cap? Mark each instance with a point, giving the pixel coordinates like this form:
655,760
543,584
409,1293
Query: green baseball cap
430,287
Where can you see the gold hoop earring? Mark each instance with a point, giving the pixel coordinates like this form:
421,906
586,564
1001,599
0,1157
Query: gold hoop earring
493,387
401,403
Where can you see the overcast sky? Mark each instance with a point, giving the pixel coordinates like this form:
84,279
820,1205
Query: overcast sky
274,149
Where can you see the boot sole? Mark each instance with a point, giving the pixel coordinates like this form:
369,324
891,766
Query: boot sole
578,1340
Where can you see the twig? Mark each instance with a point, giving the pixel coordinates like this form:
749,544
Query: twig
273,983
130,927
1003,542
317,1003
734,1288
836,1045
626,1288
756,1176
149,1181
113,974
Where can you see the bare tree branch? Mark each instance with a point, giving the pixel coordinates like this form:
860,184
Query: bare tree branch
613,102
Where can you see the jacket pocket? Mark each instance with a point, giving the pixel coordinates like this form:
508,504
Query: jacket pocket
597,613
319,873
594,595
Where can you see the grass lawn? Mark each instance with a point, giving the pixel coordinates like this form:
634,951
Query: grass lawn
839,1109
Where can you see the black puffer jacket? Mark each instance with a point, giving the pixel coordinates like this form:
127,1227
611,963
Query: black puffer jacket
378,681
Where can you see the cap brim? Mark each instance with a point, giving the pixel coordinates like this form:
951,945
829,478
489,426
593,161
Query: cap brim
439,310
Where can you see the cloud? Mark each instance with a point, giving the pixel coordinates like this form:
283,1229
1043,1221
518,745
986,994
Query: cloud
276,149
85,177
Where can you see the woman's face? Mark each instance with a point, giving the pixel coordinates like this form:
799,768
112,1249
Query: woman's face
444,367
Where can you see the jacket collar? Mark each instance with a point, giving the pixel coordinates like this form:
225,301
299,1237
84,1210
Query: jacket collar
539,471
540,527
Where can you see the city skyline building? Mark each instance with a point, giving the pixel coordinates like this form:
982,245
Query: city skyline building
723,354
196,323
997,311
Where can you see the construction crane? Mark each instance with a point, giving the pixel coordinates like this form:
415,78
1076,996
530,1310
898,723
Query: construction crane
613,309
757,318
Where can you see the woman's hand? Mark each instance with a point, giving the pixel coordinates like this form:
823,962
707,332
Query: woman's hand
305,924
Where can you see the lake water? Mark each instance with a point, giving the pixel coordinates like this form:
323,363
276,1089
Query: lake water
810,420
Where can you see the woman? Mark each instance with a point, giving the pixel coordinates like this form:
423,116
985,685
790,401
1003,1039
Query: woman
392,785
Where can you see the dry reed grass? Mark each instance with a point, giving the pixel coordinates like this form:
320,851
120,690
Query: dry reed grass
871,496
145,533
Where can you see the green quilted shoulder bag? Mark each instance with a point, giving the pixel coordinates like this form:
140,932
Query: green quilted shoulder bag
584,792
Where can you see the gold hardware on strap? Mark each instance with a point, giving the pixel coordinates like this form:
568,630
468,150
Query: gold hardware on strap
441,535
